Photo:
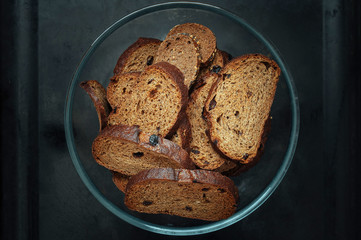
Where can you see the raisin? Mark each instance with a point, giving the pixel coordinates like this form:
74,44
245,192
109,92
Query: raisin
228,75
188,208
216,69
150,60
195,181
221,190
215,142
147,203
205,189
212,104
167,45
245,156
195,151
115,110
151,80
138,154
153,140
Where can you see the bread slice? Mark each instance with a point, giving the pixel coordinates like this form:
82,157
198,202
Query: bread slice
120,180
197,194
156,103
128,150
183,135
183,52
239,105
98,95
221,58
121,88
137,56
203,36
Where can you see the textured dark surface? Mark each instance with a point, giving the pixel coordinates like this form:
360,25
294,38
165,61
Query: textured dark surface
43,197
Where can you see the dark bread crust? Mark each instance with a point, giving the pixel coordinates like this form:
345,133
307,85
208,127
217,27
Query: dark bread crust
216,140
193,179
122,61
132,134
97,93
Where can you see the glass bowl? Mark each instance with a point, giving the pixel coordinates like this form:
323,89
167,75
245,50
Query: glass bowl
234,36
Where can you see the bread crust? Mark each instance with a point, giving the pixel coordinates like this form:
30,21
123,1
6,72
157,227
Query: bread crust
122,60
213,137
97,94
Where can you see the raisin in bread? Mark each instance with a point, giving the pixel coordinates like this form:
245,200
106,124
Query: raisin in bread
239,105
197,194
221,58
137,56
183,52
98,95
156,103
128,150
202,35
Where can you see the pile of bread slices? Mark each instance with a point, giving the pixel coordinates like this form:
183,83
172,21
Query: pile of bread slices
178,118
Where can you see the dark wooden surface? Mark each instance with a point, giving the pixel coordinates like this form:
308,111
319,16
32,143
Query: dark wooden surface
43,197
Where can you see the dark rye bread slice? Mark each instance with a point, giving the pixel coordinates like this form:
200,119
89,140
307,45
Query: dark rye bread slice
137,56
121,87
239,104
183,135
98,95
128,150
183,52
202,152
203,36
197,194
120,180
157,102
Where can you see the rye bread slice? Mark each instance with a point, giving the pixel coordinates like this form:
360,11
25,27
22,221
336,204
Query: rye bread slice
202,152
203,36
197,194
183,52
120,180
128,150
183,135
137,56
156,103
239,105
121,88
98,95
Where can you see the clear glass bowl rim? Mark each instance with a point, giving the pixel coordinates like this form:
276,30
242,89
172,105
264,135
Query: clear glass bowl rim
183,231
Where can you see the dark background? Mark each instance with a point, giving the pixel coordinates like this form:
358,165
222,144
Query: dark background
43,197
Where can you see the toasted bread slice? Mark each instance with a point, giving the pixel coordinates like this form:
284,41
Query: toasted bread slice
98,95
239,105
183,52
157,102
197,194
137,56
203,36
128,150
121,88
